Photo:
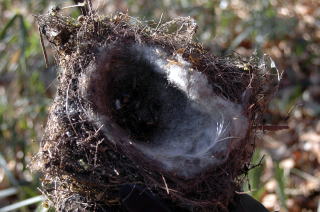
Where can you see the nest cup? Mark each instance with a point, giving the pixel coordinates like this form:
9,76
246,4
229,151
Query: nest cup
147,106
165,111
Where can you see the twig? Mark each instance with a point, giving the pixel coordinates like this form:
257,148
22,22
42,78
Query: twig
96,153
165,183
89,3
243,192
271,127
43,48
156,29
80,4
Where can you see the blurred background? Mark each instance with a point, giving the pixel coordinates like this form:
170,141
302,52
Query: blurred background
288,30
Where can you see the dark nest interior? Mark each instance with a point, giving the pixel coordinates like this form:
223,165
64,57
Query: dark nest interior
147,106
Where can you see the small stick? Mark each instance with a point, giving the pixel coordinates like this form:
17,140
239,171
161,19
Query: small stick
89,3
81,4
43,48
271,127
159,22
96,154
165,183
243,192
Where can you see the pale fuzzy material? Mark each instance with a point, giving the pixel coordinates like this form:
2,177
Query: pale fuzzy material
197,128
196,131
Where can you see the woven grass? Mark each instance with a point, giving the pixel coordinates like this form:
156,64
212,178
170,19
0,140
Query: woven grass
89,146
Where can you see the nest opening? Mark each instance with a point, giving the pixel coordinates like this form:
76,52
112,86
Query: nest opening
168,110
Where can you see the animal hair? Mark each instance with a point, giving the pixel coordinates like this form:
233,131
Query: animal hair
188,127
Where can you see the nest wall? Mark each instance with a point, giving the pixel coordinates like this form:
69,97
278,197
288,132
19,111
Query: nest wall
119,102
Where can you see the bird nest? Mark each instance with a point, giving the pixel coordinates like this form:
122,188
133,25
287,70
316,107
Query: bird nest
146,105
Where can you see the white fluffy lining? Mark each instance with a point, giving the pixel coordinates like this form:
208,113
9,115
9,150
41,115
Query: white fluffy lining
197,131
